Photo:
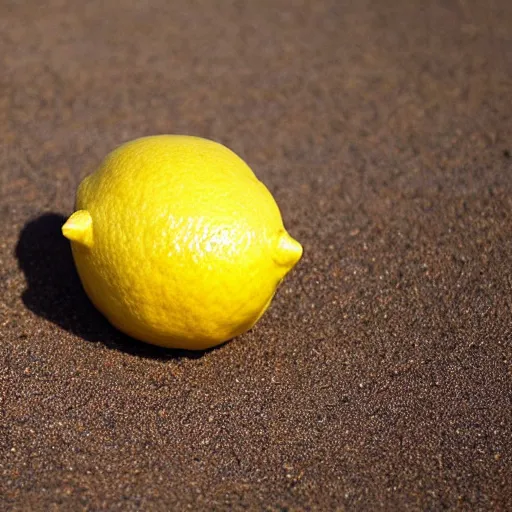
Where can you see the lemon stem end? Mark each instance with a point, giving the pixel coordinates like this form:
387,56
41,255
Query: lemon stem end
288,251
78,228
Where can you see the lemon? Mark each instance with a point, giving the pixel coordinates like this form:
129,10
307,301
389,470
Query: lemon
178,243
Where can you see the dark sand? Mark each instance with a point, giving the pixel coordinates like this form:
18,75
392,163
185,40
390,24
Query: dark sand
381,376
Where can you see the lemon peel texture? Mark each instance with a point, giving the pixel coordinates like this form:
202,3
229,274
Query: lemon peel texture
178,243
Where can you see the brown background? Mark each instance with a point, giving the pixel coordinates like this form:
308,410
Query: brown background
381,376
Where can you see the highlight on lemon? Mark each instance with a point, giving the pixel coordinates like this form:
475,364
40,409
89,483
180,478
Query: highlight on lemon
178,243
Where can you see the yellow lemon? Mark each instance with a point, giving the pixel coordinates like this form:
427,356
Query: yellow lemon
177,243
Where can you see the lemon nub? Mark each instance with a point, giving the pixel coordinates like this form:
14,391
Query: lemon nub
78,228
288,251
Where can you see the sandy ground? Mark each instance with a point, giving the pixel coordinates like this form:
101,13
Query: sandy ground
380,379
